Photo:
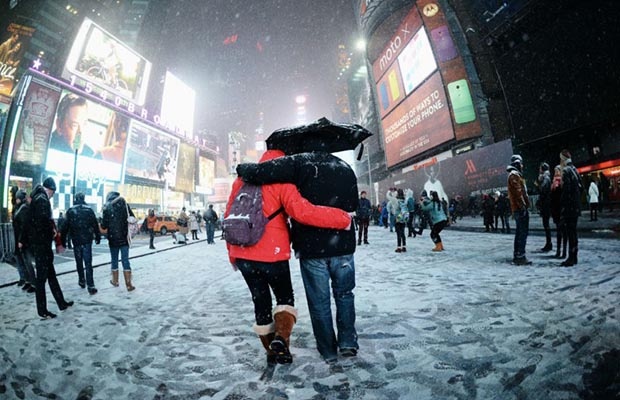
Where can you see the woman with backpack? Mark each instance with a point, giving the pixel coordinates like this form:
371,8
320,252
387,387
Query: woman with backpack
401,216
265,263
438,218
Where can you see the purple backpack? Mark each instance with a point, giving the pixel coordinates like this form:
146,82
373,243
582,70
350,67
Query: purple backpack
245,224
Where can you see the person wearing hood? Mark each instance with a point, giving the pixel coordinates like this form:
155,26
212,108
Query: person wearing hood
23,255
519,205
114,221
43,231
544,201
570,205
326,256
363,218
82,227
411,207
593,195
265,265
438,219
392,206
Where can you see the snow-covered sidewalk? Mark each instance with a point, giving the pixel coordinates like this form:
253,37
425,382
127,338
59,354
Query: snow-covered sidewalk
461,324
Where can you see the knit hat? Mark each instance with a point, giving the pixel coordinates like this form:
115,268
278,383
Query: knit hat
20,195
424,194
544,166
565,155
516,159
79,198
49,183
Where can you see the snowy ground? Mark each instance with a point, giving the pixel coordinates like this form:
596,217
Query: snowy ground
462,324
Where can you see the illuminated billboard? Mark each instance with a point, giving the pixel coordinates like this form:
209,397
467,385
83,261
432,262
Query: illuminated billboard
177,106
96,134
13,45
106,65
206,175
35,124
151,154
416,61
186,168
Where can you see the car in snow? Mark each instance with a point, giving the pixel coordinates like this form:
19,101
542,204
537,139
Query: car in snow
165,224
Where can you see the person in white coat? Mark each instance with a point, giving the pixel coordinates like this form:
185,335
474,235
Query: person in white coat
593,198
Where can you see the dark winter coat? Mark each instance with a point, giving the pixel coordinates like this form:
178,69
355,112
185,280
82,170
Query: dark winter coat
517,190
115,220
571,192
42,226
22,220
324,180
544,198
363,209
81,225
210,216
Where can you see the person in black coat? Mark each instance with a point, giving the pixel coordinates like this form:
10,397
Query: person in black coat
363,218
544,201
23,254
114,222
82,226
43,231
325,254
570,204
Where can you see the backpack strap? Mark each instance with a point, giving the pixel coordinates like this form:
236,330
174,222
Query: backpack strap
275,213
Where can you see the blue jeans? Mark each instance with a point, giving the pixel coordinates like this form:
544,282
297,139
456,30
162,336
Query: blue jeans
124,257
84,257
522,220
316,273
210,231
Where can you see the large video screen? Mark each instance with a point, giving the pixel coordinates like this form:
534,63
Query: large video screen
151,154
178,105
206,175
13,45
35,124
98,57
416,61
186,168
97,133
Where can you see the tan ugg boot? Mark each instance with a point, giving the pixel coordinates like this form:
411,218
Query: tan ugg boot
285,317
437,247
114,281
266,334
127,275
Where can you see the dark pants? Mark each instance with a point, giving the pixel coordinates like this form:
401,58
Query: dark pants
151,237
571,233
362,225
593,211
561,239
210,231
401,239
546,215
260,278
522,220
44,258
410,230
24,265
436,229
84,258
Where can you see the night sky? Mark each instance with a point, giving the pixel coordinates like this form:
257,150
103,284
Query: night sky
283,48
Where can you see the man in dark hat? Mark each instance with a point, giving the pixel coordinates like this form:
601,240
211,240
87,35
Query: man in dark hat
43,232
519,205
82,226
363,218
21,224
544,201
570,205
210,217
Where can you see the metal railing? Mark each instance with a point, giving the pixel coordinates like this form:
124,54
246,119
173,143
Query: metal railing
7,242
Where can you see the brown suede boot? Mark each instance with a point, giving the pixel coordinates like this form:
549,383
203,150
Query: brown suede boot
266,335
285,317
114,281
127,275
437,247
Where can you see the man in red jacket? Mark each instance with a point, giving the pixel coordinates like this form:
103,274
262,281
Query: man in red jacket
265,265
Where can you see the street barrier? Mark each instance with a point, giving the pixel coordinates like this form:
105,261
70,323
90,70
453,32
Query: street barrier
7,242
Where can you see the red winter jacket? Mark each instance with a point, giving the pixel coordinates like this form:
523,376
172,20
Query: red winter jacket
275,243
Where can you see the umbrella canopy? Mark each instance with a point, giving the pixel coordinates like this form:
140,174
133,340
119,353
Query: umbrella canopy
321,134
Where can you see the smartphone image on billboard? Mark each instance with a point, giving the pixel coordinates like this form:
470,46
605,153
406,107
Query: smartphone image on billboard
444,45
394,90
385,100
462,104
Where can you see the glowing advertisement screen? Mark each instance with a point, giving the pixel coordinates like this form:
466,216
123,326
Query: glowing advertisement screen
98,58
186,168
178,105
416,61
421,122
206,175
35,124
98,133
151,154
13,45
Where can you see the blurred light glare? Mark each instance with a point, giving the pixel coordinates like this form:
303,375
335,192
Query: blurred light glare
301,99
360,45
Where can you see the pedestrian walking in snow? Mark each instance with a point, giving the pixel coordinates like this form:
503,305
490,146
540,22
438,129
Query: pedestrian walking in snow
411,208
193,225
265,265
362,214
519,205
593,199
544,203
151,220
23,252
488,207
570,205
210,217
556,208
438,218
116,211
401,218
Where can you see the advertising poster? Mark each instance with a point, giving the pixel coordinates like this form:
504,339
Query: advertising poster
478,171
419,123
13,44
416,61
5,104
151,154
35,124
177,106
100,58
206,175
97,133
186,168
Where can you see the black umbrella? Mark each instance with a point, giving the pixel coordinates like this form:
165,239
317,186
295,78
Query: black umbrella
321,134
